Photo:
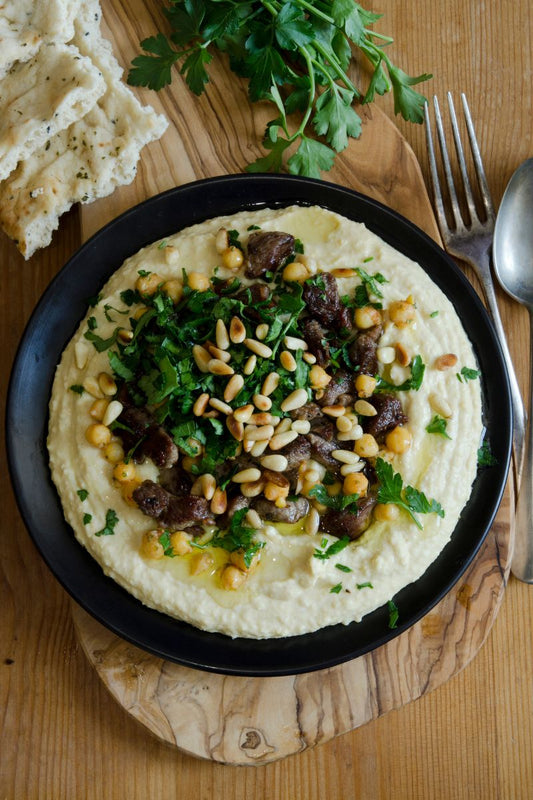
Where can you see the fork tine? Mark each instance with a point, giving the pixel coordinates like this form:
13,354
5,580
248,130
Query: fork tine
469,197
437,193
454,203
478,163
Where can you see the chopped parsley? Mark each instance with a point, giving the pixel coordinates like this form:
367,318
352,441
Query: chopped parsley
438,426
83,494
392,490
336,589
87,518
393,614
111,520
77,388
366,585
485,457
343,568
326,551
467,374
412,383
238,537
338,502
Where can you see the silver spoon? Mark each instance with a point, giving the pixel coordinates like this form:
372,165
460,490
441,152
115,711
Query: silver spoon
513,265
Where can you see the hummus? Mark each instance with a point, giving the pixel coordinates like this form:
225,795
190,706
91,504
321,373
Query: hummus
301,575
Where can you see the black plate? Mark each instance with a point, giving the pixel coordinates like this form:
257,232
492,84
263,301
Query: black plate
54,321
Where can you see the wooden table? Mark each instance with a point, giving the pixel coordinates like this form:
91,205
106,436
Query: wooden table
62,735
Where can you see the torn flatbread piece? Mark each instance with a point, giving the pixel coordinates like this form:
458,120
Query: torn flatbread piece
43,96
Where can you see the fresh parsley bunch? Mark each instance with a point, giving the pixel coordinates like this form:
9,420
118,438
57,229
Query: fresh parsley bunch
295,54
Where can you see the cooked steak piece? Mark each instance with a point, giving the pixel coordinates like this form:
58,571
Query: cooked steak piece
146,438
324,304
176,480
389,414
292,512
267,250
254,296
339,391
324,427
169,510
347,523
321,450
315,336
296,453
307,412
363,350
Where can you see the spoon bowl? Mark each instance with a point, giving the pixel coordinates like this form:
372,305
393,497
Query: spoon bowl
513,265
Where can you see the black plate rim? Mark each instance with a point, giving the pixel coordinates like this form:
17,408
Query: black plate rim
251,657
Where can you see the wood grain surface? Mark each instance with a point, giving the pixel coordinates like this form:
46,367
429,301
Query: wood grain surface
62,737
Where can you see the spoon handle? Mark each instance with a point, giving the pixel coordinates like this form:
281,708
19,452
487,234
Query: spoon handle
522,563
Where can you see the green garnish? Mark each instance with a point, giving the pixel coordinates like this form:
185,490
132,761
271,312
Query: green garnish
370,282
334,548
485,457
87,518
366,585
412,383
343,568
338,502
238,537
77,388
111,520
438,425
393,614
468,374
336,589
303,46
83,494
412,501
434,314
164,541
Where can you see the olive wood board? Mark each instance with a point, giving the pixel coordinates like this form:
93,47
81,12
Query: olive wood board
241,720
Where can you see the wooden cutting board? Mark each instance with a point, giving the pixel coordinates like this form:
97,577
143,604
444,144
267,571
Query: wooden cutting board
255,721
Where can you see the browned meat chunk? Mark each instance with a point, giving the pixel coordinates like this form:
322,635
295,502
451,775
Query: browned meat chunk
315,336
339,391
171,511
267,250
235,504
321,450
324,304
176,480
389,414
292,512
363,350
296,453
307,412
324,427
346,523
148,439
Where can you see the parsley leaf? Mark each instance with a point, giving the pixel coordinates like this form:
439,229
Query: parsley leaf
239,537
412,501
413,383
394,614
467,374
485,457
331,550
338,502
438,425
111,520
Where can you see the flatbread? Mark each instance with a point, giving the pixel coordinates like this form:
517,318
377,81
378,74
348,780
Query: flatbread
26,24
42,96
86,161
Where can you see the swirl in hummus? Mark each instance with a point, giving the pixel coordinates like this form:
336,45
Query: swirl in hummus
267,423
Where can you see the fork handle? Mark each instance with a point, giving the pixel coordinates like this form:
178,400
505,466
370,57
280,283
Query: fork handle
519,414
522,563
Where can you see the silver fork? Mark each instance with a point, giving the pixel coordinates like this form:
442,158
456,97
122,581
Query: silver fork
471,239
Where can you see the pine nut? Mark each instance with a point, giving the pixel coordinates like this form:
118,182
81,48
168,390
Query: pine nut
364,408
258,448
250,365
258,348
201,357
342,272
295,400
90,384
386,355
112,412
233,387
258,434
261,332
98,408
440,405
81,354
445,361
285,425
312,522
235,427
243,413
281,440
218,367
216,352
301,426
208,485
287,361
402,356
262,402
220,406
249,475
270,383
253,519
347,469
345,456
343,424
125,335
200,404
311,476
237,331
262,418
276,463
352,435
221,240
107,384
293,343
253,489
219,501
309,358
334,411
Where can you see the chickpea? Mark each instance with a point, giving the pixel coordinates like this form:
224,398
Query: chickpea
148,284
232,258
366,446
355,483
180,541
319,377
151,547
366,317
334,488
386,512
124,472
173,289
98,435
295,272
127,490
398,439
232,578
198,281
114,452
365,385
237,559
402,313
